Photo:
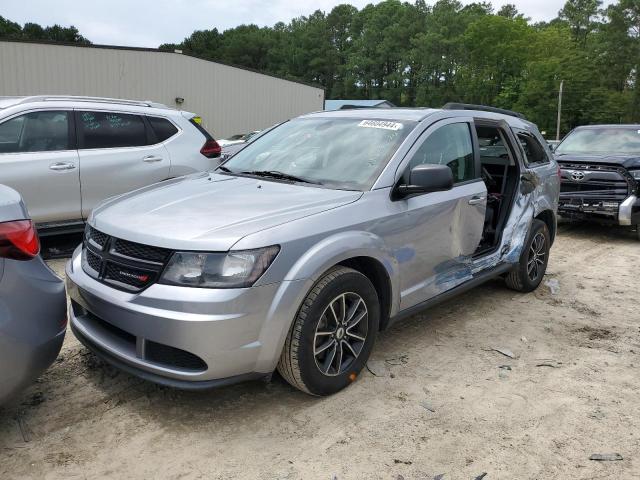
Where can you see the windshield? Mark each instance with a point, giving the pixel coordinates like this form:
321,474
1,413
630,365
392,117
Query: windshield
601,140
342,153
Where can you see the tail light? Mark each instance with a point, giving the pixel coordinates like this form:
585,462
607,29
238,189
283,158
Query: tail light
211,149
18,240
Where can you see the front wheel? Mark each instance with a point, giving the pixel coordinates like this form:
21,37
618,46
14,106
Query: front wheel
333,333
528,273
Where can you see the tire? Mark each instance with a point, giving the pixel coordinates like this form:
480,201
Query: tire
526,277
306,361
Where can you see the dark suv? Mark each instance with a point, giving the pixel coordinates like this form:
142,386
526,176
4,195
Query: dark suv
601,174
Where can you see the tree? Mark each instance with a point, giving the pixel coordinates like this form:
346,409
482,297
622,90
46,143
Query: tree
33,31
580,15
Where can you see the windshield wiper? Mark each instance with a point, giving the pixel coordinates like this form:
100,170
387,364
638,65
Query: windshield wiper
225,169
280,176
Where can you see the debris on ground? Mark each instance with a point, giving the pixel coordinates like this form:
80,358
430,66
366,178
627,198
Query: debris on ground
24,429
399,360
504,351
606,457
404,462
377,368
427,406
554,285
481,476
440,476
549,363
505,367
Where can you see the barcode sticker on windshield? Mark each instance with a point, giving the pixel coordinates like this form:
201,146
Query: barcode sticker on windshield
380,124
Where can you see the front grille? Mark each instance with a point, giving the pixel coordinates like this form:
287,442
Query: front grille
171,356
133,277
120,263
594,182
98,237
137,250
93,260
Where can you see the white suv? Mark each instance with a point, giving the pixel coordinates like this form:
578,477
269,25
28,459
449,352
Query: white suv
66,154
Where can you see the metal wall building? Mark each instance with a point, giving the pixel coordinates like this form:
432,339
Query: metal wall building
229,99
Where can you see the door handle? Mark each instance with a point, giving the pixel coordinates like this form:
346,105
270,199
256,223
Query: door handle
476,200
152,158
62,166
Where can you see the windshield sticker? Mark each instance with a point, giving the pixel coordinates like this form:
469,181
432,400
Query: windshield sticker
380,124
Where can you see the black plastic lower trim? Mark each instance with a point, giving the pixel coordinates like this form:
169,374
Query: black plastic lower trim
159,379
474,282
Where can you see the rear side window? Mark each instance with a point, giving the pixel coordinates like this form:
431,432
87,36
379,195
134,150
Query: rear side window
534,152
450,145
163,128
201,129
35,132
111,130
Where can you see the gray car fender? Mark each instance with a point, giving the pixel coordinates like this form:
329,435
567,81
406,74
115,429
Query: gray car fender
305,272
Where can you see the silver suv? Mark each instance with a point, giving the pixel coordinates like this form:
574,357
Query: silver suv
296,251
66,154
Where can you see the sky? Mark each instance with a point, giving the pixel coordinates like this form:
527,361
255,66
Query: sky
149,23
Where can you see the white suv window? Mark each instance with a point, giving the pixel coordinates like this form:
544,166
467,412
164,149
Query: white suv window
44,131
111,130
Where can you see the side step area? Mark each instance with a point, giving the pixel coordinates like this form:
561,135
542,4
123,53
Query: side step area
479,279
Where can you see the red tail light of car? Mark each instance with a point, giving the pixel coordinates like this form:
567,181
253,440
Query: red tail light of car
211,149
19,240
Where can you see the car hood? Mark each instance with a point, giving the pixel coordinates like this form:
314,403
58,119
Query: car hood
210,211
627,161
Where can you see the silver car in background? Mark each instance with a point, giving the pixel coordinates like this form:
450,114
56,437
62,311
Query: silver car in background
297,250
32,301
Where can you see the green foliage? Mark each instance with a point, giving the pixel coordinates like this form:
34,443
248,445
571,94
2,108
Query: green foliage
423,54
417,54
33,31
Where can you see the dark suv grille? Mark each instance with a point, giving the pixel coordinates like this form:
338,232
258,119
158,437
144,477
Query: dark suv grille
120,263
595,182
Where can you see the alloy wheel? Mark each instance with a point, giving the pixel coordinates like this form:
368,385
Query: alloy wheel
537,256
340,334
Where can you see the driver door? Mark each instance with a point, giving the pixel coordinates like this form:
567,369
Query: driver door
442,229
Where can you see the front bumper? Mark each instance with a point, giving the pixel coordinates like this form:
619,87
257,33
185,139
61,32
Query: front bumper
180,336
626,212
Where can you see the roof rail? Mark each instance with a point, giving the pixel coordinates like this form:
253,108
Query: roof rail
72,98
482,108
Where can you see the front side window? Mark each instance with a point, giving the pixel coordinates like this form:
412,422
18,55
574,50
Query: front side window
450,145
602,140
342,153
111,130
35,132
534,152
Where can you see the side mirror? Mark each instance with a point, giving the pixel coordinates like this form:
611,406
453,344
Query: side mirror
427,178
552,146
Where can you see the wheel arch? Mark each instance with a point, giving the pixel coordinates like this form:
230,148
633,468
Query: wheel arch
549,218
379,277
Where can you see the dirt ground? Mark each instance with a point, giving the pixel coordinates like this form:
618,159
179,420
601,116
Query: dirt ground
443,402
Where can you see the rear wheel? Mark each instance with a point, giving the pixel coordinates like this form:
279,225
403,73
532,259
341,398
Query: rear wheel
530,270
333,334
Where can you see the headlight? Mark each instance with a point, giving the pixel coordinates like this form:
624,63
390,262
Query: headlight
218,270
635,174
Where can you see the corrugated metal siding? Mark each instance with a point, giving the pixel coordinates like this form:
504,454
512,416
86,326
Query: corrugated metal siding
230,100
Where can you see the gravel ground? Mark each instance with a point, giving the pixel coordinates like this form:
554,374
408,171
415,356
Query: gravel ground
442,401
